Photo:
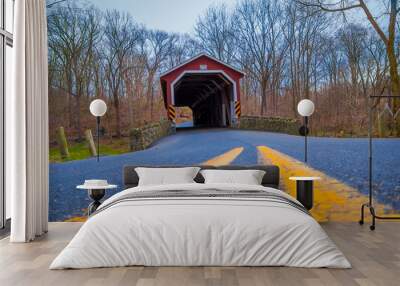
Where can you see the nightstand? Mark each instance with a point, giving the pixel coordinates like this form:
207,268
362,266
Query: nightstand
305,190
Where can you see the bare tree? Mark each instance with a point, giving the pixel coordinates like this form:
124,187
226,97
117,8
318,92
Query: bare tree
258,29
121,36
73,36
387,34
353,40
303,36
158,45
214,33
135,81
52,3
183,47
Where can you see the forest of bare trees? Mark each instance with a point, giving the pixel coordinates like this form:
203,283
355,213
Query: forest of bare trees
289,50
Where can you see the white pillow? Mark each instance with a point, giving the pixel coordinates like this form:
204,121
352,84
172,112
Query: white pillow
166,176
247,177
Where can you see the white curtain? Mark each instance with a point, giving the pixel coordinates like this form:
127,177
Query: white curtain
27,124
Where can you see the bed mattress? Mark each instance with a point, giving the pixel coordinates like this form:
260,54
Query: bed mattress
201,225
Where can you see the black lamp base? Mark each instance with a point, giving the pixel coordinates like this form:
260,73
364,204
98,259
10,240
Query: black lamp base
96,196
305,193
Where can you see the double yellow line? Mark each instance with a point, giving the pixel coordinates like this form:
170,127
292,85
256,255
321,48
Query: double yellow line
333,199
224,159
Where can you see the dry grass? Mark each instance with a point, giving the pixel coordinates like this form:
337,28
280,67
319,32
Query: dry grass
80,150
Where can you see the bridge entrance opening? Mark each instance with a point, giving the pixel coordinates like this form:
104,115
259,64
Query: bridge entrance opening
209,96
209,87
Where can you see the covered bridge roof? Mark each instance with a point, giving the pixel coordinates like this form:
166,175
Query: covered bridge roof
197,57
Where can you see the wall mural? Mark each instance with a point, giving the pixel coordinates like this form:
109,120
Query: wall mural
227,93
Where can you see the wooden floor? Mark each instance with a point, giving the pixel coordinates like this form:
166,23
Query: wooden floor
375,257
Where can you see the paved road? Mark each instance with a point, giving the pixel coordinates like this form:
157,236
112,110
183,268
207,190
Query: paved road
344,159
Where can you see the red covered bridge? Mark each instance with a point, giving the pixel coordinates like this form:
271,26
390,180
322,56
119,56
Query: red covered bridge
211,88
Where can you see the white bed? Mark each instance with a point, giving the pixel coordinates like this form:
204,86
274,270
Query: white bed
202,231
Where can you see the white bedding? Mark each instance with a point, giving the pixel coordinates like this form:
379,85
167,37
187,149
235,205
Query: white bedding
200,231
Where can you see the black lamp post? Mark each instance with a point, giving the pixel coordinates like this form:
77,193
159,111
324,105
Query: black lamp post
98,108
305,108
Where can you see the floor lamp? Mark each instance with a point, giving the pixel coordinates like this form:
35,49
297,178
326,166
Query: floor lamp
305,108
370,205
98,108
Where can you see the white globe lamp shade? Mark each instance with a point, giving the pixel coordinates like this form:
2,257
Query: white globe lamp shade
98,107
305,107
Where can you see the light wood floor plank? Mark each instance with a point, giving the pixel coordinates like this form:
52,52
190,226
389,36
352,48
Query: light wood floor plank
375,257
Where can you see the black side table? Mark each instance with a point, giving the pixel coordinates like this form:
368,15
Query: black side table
96,193
305,190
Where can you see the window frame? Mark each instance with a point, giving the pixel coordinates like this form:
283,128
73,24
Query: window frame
6,39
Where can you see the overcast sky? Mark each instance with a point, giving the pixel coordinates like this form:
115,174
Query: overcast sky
168,15
180,15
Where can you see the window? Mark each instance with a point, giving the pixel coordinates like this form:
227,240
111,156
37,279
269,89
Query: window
9,13
6,43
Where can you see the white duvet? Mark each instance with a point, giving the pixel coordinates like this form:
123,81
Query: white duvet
200,231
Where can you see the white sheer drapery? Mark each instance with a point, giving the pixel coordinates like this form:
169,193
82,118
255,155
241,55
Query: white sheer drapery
27,124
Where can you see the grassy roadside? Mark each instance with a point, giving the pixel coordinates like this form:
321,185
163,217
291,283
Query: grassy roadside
80,150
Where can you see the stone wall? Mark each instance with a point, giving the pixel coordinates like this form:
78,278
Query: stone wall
143,137
271,124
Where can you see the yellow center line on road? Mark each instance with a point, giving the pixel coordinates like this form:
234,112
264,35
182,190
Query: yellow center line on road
225,158
77,219
333,199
